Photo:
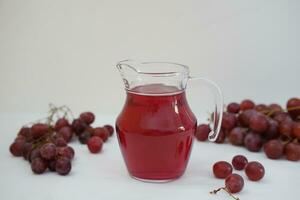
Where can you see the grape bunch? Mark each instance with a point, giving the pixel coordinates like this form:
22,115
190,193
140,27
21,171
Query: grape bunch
234,183
45,144
45,147
261,126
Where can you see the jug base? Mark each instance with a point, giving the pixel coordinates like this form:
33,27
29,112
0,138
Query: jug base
154,180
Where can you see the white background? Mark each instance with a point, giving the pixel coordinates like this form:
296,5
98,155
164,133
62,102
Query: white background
65,52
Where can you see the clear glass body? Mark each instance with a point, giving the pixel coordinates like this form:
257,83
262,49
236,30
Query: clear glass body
156,125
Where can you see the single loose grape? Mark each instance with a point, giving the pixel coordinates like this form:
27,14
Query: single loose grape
255,171
239,162
234,183
95,144
222,169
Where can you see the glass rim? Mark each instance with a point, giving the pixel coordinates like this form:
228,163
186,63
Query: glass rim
184,69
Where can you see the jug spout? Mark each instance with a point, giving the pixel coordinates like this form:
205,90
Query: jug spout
127,71
135,74
127,67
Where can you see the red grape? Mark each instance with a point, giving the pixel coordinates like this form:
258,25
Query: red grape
102,133
87,117
292,151
38,165
261,108
35,153
296,130
236,136
83,137
60,142
110,129
272,132
24,131
273,149
239,162
253,142
90,129
233,107
51,165
244,117
39,130
293,106
255,171
247,104
282,116
275,108
67,152
202,132
259,123
66,132
20,137
222,169
62,122
48,151
229,121
27,148
234,183
221,137
95,144
78,126
16,148
285,127
63,166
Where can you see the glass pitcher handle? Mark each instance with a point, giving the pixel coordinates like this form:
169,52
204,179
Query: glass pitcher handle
218,110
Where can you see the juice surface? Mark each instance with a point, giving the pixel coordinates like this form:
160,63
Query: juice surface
155,131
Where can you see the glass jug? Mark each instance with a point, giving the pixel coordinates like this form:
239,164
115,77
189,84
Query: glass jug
156,126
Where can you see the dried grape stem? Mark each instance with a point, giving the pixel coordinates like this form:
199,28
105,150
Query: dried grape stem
54,111
226,190
68,111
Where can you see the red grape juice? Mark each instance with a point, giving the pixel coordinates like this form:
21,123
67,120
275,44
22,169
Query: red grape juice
155,131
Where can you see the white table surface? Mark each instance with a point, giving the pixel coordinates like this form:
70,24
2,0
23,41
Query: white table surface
104,176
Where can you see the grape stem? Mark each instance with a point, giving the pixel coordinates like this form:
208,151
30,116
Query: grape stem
271,112
55,111
293,108
226,190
